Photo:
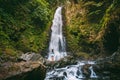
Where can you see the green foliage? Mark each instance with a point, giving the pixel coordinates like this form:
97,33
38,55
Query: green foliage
82,55
109,12
87,22
55,3
24,25
41,14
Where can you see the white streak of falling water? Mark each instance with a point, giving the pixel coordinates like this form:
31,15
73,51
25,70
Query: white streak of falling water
57,42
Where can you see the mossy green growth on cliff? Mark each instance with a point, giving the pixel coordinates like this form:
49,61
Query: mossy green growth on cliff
110,27
24,25
88,25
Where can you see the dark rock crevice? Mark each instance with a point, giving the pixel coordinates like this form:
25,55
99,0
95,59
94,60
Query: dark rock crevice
111,38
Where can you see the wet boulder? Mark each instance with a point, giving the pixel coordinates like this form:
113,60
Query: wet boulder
68,60
31,56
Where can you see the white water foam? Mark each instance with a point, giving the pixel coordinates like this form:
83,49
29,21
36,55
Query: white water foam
57,43
72,72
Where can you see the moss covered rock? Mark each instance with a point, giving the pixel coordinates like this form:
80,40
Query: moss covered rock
92,26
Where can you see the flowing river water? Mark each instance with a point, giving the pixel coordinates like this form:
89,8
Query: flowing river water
71,72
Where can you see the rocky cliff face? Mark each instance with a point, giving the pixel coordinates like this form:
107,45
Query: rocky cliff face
92,26
31,70
28,66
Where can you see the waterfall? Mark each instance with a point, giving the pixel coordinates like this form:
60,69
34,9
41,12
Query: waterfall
57,51
57,43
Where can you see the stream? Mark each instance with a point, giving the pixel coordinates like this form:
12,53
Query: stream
71,72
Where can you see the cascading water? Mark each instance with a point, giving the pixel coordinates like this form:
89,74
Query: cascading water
71,72
93,74
57,43
57,46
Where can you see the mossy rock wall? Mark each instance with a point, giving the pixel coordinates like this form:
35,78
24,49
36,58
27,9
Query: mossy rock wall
92,26
24,26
